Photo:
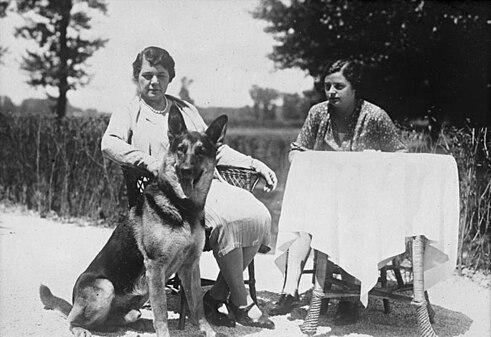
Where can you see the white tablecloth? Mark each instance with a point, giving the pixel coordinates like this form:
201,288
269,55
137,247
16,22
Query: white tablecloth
360,206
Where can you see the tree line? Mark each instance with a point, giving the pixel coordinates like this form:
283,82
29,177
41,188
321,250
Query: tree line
422,58
58,61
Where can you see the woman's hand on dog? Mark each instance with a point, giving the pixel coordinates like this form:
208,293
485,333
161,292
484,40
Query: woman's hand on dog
154,168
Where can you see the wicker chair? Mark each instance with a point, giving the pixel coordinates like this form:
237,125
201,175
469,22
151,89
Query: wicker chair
237,176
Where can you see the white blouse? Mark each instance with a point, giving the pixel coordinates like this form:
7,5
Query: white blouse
137,137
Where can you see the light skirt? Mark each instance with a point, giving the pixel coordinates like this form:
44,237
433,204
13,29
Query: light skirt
236,217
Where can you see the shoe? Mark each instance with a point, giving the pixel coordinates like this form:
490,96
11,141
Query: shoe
347,313
212,314
241,316
285,305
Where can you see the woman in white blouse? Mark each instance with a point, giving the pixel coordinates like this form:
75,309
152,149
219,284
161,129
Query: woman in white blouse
136,138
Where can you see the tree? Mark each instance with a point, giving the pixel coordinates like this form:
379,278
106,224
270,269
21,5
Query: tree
6,104
184,92
420,55
59,29
296,107
3,11
291,107
263,98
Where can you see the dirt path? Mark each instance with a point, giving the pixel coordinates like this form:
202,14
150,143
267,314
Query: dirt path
35,250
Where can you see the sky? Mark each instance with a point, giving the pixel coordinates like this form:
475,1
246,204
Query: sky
216,43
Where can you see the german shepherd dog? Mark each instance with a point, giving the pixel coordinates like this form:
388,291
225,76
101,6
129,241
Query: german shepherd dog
163,235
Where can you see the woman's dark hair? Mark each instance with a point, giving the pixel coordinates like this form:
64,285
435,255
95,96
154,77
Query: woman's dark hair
154,56
352,70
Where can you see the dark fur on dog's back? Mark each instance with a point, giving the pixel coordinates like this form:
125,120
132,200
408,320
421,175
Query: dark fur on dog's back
126,260
121,264
164,233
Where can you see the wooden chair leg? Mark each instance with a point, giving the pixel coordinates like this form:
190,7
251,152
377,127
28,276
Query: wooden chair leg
330,271
183,309
252,281
314,267
383,283
324,306
397,272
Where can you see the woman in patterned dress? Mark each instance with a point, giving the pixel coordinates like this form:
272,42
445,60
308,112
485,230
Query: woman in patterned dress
344,122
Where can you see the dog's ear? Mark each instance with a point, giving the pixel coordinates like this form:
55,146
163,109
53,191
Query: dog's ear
217,129
176,123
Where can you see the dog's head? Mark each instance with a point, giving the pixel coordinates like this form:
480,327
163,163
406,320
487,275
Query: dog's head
192,155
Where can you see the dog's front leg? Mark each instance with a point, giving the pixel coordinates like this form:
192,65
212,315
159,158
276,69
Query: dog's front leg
156,283
191,282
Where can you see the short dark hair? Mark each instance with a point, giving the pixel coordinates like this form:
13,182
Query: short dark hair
155,56
350,69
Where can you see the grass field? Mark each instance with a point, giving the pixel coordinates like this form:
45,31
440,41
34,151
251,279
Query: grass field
58,170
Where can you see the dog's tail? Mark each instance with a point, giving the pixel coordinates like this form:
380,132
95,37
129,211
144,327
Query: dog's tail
51,302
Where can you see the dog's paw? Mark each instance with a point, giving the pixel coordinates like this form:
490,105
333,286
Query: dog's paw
81,332
132,316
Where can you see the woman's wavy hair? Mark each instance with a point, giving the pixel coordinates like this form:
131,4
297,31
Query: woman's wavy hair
154,56
350,69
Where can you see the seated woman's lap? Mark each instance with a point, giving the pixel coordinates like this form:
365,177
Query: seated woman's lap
236,217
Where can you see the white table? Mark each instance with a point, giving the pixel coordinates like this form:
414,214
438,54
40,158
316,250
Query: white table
360,207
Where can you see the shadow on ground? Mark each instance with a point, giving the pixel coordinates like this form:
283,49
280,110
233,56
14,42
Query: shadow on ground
401,321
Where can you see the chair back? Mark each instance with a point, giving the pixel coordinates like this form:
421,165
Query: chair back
238,176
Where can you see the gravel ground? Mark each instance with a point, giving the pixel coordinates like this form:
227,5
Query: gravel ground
35,250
